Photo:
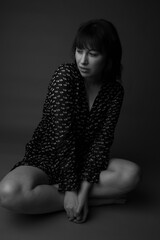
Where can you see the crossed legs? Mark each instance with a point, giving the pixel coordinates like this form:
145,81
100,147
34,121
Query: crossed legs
26,189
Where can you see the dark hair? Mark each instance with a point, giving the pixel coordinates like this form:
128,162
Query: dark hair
101,35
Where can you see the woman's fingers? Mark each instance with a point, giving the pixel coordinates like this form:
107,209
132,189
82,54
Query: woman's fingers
85,214
81,217
79,210
78,216
70,214
70,204
76,208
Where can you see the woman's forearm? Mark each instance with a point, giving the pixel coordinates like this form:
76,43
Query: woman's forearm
85,187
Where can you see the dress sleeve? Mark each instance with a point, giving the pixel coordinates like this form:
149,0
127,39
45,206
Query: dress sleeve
98,155
59,106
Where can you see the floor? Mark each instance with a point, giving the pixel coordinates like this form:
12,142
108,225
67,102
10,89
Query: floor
138,219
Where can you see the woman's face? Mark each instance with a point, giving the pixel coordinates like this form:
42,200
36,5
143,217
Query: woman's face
90,63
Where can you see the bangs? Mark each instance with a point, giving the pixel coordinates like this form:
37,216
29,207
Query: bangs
88,42
100,35
88,39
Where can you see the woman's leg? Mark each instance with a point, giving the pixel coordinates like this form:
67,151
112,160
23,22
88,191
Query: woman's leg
120,177
26,189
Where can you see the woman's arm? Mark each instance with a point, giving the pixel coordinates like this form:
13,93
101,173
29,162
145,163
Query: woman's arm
59,111
97,156
98,153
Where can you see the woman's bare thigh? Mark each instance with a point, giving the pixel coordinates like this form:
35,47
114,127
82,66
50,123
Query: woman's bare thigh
25,176
118,164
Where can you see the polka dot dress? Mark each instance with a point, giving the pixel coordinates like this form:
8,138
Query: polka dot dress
72,143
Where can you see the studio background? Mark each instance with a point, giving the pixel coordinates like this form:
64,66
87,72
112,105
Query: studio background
36,36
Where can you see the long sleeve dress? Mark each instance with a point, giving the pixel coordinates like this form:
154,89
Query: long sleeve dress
72,143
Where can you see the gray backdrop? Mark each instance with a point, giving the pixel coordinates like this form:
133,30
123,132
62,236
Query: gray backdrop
36,37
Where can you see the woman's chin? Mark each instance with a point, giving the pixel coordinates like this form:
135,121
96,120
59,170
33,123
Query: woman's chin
85,73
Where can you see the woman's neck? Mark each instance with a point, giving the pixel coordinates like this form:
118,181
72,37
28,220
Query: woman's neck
94,81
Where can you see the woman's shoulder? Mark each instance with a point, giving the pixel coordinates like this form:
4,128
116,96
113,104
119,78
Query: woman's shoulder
64,74
67,69
119,86
116,87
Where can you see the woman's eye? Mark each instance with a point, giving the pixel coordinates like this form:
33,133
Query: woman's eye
89,52
94,54
80,51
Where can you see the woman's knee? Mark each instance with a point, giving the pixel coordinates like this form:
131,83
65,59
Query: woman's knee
127,173
129,176
9,191
19,181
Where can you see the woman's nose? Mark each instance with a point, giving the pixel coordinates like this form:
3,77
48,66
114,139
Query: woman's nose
84,59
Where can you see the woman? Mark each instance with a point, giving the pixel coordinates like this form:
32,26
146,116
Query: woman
66,164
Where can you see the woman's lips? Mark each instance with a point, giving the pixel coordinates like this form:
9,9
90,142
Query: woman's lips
82,69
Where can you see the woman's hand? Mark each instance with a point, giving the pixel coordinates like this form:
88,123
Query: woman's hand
71,204
82,209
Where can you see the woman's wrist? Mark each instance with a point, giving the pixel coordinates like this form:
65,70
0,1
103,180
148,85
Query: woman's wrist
70,192
85,186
